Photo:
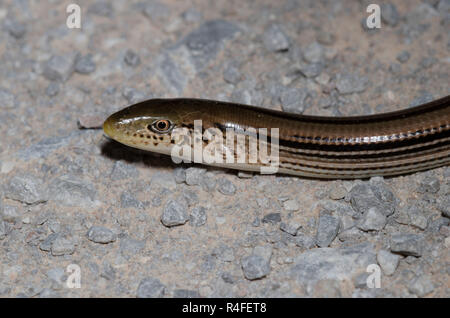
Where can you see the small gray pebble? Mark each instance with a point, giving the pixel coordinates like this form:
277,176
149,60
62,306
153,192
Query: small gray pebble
108,272
407,244
389,14
85,65
179,175
175,213
101,8
205,41
53,225
337,192
291,205
150,288
62,246
417,218
131,58
421,286
226,187
52,89
339,264
208,182
10,213
232,74
395,68
327,230
290,227
156,201
198,216
435,225
40,218
275,40
190,197
326,38
272,218
429,184
90,121
27,189
375,194
46,244
351,83
227,277
60,68
224,253
313,53
427,62
15,28
388,261
130,247
5,229
403,57
293,100
444,206
410,259
255,267
311,70
372,220
100,234
192,15
127,200
194,176
245,175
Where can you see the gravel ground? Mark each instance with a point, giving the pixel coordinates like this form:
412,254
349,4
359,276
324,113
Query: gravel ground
137,225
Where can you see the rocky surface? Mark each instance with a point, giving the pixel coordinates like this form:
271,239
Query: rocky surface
138,225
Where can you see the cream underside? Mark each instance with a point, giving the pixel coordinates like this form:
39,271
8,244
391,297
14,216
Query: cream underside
308,172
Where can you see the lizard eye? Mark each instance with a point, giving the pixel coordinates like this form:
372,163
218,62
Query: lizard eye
161,126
